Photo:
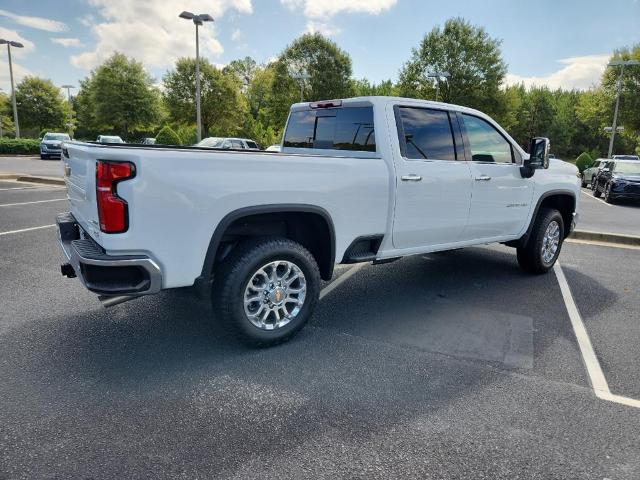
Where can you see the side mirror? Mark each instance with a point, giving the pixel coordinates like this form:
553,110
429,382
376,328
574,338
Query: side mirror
538,156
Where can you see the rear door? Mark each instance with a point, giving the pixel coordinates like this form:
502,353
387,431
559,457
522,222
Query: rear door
501,197
433,182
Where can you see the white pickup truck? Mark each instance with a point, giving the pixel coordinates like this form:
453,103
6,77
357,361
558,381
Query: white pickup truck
357,180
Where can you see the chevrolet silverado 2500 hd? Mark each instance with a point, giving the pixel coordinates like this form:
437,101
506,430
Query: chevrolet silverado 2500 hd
357,180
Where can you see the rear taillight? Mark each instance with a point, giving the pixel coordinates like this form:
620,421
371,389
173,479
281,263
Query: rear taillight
113,212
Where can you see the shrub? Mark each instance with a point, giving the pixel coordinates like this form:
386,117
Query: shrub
167,136
188,134
20,146
584,161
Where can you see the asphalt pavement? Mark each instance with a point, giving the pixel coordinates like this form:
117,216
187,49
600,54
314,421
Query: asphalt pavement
596,215
31,165
453,365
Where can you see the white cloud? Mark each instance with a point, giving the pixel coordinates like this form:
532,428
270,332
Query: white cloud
19,72
325,29
35,22
87,20
67,42
236,35
577,73
151,32
328,8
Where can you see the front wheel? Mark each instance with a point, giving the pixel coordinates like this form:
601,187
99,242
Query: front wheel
596,192
584,182
608,197
542,249
266,290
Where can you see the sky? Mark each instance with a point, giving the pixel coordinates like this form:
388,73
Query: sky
558,43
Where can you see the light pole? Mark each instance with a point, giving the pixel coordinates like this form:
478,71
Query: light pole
10,44
621,64
1,117
302,77
198,20
438,76
68,87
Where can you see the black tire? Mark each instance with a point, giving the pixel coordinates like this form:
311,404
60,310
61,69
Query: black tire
530,256
584,182
596,192
607,194
233,275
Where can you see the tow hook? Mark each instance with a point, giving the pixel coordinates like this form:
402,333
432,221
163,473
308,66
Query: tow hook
67,270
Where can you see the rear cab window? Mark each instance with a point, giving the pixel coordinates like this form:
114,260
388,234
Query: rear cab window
426,134
344,128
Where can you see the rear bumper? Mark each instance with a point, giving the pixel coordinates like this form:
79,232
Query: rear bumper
101,273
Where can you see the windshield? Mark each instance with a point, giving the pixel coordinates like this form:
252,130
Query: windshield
105,139
627,168
210,142
56,136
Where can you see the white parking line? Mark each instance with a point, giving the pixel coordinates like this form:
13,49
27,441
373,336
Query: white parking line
26,229
345,276
29,203
598,199
591,363
31,188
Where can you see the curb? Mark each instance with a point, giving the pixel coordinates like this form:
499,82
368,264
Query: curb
32,179
606,237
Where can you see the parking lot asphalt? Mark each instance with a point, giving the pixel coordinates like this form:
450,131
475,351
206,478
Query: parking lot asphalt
31,165
622,217
452,365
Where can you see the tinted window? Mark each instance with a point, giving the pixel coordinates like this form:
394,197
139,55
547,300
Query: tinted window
334,128
236,144
252,144
486,143
427,133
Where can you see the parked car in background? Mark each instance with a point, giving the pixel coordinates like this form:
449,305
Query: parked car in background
51,144
149,141
626,157
589,173
274,148
618,179
228,143
109,139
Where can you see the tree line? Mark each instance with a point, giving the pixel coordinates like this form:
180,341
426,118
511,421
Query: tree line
249,99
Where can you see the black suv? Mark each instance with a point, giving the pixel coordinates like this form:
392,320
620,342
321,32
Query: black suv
618,179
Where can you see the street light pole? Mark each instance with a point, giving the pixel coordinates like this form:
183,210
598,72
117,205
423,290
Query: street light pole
198,20
622,64
68,87
438,76
10,44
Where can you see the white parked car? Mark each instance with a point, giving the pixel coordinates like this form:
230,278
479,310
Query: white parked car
358,180
109,139
228,143
51,144
273,148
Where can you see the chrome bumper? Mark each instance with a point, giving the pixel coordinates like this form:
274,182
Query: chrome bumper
101,273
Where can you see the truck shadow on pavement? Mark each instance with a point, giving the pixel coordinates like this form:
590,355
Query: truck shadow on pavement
360,382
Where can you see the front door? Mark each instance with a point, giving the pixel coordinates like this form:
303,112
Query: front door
501,198
433,186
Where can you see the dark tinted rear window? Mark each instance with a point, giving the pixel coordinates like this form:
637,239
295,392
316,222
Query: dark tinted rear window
333,128
427,134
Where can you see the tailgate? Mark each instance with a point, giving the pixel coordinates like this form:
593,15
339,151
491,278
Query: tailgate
80,178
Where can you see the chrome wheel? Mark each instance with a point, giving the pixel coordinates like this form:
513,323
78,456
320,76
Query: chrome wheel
550,241
274,295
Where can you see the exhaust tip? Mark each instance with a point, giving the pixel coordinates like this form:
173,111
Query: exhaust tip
67,270
111,301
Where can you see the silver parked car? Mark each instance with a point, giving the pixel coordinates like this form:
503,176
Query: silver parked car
589,173
109,139
229,143
51,144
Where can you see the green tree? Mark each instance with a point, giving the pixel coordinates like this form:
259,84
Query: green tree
363,87
328,67
584,161
222,103
469,55
41,105
119,95
244,70
167,136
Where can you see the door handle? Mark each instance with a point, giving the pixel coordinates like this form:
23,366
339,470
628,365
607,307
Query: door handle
411,178
483,178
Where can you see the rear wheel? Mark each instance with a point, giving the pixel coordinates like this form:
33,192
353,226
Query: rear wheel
584,181
545,242
266,290
596,192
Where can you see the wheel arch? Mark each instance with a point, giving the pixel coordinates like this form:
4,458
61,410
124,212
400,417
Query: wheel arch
325,258
562,200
